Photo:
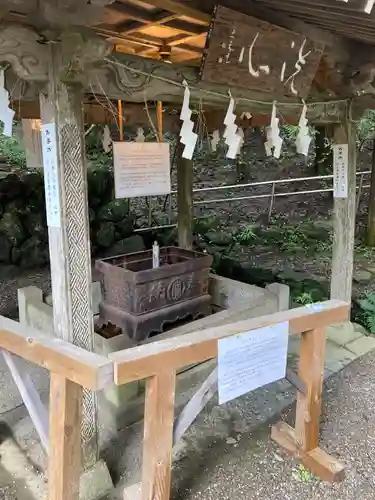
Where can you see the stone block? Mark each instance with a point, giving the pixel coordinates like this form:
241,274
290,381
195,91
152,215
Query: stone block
342,333
96,295
133,492
282,293
96,482
361,345
337,357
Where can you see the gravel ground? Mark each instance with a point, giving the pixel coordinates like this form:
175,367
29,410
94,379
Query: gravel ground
11,279
255,468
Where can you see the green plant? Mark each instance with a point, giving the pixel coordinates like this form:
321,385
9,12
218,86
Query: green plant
367,311
303,475
245,236
304,299
365,251
366,128
324,246
11,149
294,240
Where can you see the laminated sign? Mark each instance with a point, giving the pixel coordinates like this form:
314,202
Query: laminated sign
51,175
340,171
251,359
141,169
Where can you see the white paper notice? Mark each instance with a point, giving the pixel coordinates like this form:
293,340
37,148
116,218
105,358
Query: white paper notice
141,169
251,359
51,176
340,170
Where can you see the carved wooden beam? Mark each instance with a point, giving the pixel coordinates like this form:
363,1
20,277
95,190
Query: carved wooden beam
86,59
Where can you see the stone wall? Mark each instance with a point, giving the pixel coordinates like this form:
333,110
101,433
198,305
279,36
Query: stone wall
23,227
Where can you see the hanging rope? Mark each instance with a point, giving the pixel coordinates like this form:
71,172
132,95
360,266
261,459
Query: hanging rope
221,95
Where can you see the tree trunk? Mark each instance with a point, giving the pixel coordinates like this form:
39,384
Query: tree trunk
370,237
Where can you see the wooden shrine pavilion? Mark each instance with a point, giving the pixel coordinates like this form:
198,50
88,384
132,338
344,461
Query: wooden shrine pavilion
69,62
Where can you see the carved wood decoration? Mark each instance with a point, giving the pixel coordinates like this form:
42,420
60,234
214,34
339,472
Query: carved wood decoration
242,51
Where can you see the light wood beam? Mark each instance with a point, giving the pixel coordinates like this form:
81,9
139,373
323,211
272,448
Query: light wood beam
159,19
158,436
74,363
145,360
182,9
344,220
65,462
141,15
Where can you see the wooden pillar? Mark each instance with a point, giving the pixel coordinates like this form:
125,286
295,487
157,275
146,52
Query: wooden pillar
64,465
158,436
311,372
370,236
32,142
344,220
184,200
69,244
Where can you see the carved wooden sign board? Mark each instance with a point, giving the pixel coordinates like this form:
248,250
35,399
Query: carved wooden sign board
242,51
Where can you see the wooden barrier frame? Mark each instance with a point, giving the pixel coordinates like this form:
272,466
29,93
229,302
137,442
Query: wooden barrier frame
158,362
72,369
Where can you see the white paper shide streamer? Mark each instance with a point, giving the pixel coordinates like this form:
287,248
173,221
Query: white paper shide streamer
215,139
140,135
303,138
155,255
232,137
107,139
6,114
187,136
274,141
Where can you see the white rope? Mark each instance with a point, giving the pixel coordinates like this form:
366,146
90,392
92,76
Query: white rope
219,94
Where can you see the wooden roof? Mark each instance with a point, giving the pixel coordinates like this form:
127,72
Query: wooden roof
175,30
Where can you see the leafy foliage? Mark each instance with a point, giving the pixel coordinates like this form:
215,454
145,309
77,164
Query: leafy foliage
245,236
11,149
366,128
304,299
367,305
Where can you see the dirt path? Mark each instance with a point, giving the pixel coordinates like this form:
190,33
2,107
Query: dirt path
257,469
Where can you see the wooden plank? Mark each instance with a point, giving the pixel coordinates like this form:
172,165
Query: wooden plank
244,51
185,176
158,436
145,360
196,404
344,220
317,461
65,169
64,468
181,8
311,372
83,367
30,396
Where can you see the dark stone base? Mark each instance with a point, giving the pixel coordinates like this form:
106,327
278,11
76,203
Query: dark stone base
141,327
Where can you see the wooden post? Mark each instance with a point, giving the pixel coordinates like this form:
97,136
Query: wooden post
370,237
344,220
120,120
65,450
69,236
160,120
311,373
184,200
158,436
303,441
